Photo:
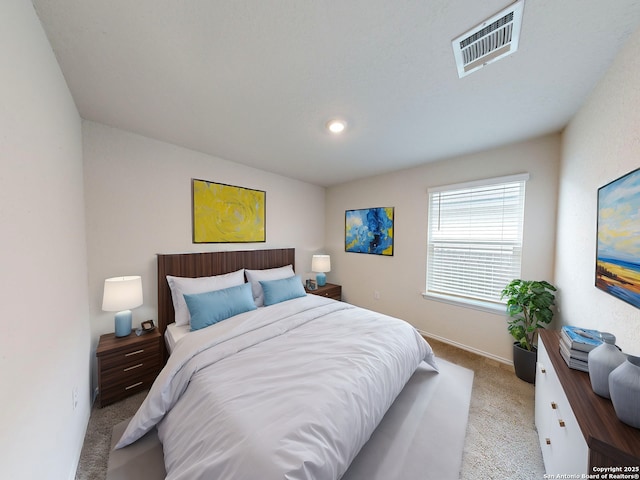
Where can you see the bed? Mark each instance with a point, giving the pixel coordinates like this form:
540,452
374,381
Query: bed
298,387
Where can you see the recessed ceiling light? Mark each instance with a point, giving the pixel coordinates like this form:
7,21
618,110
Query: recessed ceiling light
336,126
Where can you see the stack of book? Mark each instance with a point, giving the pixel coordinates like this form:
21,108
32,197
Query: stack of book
575,345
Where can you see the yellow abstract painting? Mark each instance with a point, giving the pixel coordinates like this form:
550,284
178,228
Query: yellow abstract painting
227,214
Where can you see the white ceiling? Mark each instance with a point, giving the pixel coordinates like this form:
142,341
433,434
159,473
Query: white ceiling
255,81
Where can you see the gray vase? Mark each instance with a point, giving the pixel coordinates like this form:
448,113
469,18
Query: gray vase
624,386
603,360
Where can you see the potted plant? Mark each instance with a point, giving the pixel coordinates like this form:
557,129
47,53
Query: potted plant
529,308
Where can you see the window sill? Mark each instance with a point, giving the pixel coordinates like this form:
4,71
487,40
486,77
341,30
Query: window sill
488,307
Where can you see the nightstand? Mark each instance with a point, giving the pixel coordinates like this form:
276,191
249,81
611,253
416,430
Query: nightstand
329,290
127,365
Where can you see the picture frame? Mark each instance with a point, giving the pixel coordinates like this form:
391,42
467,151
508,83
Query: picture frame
147,325
617,243
311,285
224,213
369,230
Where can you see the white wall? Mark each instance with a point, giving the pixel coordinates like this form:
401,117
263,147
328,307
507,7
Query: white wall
44,347
138,204
400,279
601,143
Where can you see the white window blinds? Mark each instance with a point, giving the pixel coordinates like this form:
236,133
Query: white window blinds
474,242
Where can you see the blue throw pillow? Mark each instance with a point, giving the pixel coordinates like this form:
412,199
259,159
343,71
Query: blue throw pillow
276,291
212,307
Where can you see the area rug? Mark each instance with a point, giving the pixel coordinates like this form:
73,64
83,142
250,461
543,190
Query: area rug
421,436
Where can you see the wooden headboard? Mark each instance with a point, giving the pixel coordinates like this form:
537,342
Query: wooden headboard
211,263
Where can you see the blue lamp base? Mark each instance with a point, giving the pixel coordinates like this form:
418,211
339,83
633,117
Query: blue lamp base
321,278
123,323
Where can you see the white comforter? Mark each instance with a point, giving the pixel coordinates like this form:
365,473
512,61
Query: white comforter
290,391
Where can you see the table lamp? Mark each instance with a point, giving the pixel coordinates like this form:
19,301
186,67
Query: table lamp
321,264
120,295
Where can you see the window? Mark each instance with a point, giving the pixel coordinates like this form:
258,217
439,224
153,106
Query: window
474,243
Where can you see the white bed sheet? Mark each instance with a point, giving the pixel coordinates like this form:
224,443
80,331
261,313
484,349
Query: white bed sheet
174,333
290,391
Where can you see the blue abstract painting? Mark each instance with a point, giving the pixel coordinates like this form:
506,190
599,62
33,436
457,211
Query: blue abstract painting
618,244
369,230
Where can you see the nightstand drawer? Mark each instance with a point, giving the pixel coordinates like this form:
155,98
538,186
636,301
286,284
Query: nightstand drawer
121,388
329,290
132,369
125,360
333,292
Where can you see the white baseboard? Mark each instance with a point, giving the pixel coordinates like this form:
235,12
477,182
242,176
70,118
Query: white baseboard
467,348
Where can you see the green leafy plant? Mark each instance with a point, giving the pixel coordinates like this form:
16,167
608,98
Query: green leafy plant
529,307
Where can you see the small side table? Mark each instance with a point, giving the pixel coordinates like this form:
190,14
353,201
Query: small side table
127,365
329,290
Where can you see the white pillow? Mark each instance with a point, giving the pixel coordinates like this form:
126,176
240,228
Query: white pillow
181,285
255,276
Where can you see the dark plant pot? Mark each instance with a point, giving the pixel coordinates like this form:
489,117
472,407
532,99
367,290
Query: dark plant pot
524,362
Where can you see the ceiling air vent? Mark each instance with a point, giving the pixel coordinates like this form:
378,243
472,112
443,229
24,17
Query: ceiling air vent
489,41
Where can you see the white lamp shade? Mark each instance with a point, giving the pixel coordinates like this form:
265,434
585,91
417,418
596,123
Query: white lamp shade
122,293
321,263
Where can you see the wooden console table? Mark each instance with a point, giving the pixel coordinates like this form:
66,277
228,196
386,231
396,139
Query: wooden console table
610,442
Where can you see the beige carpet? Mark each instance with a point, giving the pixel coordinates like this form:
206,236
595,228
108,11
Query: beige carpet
502,442
501,439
